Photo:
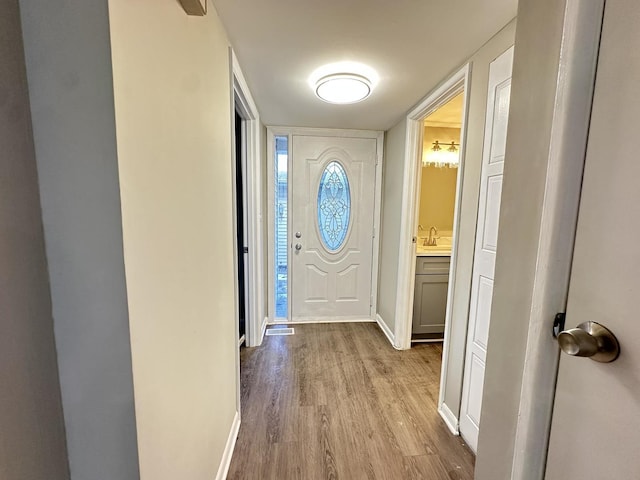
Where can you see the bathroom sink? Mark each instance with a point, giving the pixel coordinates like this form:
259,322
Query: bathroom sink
443,247
437,249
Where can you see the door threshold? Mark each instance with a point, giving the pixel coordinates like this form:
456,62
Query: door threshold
427,340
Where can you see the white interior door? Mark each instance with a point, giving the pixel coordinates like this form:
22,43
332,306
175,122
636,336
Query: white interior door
332,221
495,140
595,431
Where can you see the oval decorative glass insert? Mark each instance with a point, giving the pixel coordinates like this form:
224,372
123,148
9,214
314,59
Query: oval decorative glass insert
334,206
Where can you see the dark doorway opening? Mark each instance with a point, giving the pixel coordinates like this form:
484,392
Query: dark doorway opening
241,242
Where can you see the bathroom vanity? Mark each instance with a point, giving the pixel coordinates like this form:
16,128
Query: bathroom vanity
430,295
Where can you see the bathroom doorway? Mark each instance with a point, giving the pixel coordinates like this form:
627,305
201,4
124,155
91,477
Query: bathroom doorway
435,202
428,257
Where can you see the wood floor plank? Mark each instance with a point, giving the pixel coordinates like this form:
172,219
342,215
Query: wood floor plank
336,401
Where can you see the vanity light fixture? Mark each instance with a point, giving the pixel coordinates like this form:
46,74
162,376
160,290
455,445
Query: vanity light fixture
438,157
343,82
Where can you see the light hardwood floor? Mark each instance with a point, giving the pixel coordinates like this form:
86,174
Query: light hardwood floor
336,401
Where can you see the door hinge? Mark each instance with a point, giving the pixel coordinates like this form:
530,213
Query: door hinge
558,323
374,232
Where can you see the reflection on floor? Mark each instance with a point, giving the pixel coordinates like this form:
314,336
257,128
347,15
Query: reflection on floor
336,401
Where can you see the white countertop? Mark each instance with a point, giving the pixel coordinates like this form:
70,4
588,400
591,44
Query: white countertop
432,253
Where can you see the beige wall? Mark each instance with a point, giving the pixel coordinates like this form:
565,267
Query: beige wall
32,440
173,113
438,185
392,199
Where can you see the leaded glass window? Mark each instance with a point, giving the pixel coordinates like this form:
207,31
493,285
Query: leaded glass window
334,206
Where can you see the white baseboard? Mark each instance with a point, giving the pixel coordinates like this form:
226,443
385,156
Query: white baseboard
223,469
323,320
387,331
263,329
449,418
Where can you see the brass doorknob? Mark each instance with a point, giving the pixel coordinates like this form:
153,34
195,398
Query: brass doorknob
590,339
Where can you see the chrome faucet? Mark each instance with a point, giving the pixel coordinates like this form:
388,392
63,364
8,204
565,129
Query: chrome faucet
432,241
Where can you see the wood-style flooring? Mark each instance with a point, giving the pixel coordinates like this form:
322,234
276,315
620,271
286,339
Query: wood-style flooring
336,401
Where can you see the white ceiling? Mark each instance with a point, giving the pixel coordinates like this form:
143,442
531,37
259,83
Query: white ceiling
448,115
412,44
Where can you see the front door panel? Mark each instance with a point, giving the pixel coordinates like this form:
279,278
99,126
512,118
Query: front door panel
332,220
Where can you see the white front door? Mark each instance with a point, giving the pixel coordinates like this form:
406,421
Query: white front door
333,182
595,431
495,140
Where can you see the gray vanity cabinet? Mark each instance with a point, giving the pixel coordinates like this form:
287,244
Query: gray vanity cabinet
430,297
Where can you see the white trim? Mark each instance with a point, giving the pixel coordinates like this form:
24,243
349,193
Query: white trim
255,295
225,462
323,320
236,287
450,420
386,330
323,132
263,329
377,215
458,82
406,262
567,150
271,291
274,131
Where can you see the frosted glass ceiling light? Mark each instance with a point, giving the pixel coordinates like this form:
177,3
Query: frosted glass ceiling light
343,82
343,88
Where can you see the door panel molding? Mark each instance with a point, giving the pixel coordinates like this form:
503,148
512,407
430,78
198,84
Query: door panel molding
482,278
352,164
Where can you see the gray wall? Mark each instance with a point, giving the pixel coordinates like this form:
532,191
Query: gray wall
68,62
392,185
32,441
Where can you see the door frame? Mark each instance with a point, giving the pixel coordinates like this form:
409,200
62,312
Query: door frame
455,84
242,101
517,409
277,131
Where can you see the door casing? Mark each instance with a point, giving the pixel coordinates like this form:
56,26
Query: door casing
272,132
401,338
242,101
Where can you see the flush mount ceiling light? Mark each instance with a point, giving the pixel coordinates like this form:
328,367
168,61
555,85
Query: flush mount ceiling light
343,88
343,83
